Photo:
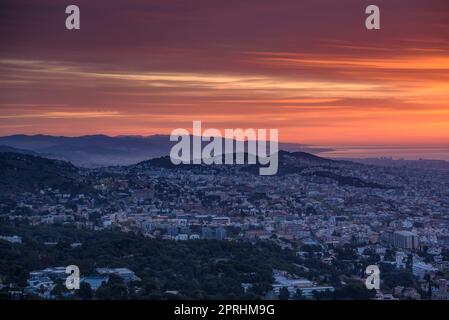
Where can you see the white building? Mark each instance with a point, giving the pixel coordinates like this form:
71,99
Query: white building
12,239
420,269
182,237
124,273
307,287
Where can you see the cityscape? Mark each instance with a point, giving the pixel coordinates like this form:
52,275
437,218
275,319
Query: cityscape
198,151
331,218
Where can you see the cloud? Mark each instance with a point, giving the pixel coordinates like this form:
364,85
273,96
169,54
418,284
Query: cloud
309,68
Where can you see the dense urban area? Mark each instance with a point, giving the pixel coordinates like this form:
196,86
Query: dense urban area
158,231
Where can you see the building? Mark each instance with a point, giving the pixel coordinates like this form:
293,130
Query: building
42,282
405,240
307,287
51,272
400,260
220,233
182,237
95,281
420,269
12,239
221,220
172,231
207,233
124,273
309,291
441,293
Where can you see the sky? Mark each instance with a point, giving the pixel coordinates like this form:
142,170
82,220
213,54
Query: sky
308,68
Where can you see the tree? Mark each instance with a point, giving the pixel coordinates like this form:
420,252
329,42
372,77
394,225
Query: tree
409,263
298,295
284,294
397,278
115,288
428,278
59,290
151,286
356,291
259,289
85,291
390,254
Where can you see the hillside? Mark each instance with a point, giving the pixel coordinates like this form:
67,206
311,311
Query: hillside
16,150
28,173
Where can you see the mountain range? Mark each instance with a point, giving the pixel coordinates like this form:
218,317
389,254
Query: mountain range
100,150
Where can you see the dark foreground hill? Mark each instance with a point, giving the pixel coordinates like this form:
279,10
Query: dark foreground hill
27,173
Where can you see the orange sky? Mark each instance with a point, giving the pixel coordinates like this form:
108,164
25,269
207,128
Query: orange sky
308,68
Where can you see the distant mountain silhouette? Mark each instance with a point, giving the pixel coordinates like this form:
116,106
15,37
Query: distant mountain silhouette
16,150
101,150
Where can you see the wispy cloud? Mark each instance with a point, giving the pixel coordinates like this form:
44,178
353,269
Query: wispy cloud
149,66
